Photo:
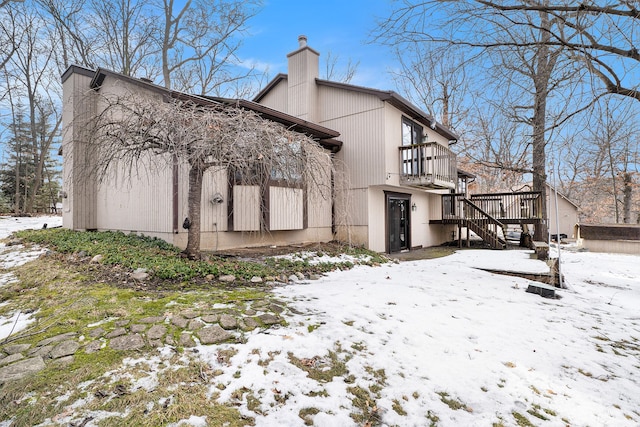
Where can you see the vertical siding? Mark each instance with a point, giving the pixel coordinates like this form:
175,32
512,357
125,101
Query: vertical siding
319,196
213,214
246,208
302,89
359,118
80,210
277,98
139,200
286,208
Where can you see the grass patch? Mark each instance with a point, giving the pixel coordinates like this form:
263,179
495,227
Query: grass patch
307,415
453,403
521,420
321,369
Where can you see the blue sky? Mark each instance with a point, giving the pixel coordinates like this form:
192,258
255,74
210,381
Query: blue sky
341,27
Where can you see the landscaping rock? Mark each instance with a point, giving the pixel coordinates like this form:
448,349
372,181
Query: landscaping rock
228,322
97,259
56,339
64,361
209,277
116,333
195,324
96,333
92,347
155,343
189,314
186,340
156,332
156,319
269,319
213,334
227,278
140,276
127,342
10,359
313,276
300,275
123,322
65,348
21,369
210,318
137,328
293,278
248,324
179,321
16,348
276,308
256,279
40,351
168,340
250,312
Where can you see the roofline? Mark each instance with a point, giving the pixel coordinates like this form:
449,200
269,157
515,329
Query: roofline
389,96
324,135
76,69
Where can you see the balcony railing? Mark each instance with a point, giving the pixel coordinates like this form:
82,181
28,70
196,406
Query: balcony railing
505,207
428,165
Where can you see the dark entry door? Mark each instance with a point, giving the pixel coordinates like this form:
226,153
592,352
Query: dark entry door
398,223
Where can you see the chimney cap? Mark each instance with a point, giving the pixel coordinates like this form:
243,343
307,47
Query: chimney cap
302,40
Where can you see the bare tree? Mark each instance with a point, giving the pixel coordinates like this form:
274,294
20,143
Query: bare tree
203,135
334,71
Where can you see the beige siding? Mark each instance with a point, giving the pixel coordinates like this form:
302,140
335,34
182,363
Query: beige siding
277,98
359,118
285,208
302,92
246,208
214,212
567,214
319,194
139,200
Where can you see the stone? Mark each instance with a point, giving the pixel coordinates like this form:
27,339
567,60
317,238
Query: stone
213,334
276,308
156,332
186,340
155,319
283,278
140,276
10,359
96,259
195,324
123,322
139,270
248,324
17,348
293,278
169,340
96,333
189,314
269,319
21,369
228,322
209,277
40,351
210,318
92,347
300,275
314,276
155,343
82,254
179,321
227,278
56,339
256,279
250,312
64,361
65,348
116,333
137,328
127,342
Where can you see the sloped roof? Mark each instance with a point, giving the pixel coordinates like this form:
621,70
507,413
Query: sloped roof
389,96
324,135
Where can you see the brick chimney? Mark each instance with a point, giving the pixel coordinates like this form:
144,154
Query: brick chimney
302,75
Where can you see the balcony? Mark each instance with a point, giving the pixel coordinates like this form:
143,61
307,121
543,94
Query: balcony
428,165
508,208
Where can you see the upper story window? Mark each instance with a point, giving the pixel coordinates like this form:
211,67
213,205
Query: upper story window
411,132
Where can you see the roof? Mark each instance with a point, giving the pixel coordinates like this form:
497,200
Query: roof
324,135
389,96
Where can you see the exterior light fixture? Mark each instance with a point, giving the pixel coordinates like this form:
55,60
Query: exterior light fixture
413,207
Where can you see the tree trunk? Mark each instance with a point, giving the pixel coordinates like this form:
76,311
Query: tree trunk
192,251
627,192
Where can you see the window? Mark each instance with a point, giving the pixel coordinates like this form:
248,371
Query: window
411,135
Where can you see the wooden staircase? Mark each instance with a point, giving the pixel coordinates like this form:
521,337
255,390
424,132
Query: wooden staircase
484,225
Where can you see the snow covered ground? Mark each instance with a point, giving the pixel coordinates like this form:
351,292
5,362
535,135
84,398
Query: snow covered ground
12,256
439,341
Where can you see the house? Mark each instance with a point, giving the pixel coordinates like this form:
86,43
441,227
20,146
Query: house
397,159
152,200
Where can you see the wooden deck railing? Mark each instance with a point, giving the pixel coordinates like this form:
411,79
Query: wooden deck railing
506,207
428,164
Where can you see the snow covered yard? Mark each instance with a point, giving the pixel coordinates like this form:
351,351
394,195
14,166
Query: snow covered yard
437,341
432,342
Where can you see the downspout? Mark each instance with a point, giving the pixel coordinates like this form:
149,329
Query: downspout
174,179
